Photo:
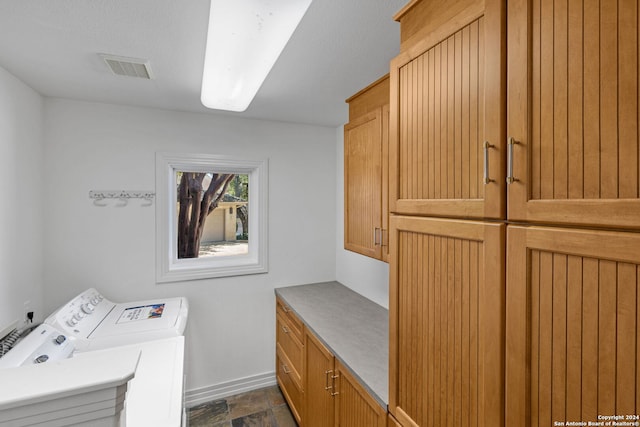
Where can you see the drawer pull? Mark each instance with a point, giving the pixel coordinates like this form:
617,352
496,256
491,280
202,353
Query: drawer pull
285,370
285,330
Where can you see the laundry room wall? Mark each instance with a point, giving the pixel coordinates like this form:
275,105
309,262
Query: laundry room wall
22,207
230,335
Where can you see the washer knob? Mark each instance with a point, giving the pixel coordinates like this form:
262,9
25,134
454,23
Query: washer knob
42,358
72,322
88,308
60,339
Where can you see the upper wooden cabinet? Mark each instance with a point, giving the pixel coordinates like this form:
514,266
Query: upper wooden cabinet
366,171
573,112
447,121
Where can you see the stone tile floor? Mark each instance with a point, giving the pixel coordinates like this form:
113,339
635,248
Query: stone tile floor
264,407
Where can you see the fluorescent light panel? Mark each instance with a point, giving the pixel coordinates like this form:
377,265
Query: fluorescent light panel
244,41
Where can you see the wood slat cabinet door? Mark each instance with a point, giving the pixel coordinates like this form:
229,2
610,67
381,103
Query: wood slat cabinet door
573,112
446,311
366,171
572,335
447,127
355,407
319,381
363,185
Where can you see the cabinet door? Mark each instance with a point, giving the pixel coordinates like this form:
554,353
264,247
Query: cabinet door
573,346
363,185
355,407
447,100
446,310
573,112
319,370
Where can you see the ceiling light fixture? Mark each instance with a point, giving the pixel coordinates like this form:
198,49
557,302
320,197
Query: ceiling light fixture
244,41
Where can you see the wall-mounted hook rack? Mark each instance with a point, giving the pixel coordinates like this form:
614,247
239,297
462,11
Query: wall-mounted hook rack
122,195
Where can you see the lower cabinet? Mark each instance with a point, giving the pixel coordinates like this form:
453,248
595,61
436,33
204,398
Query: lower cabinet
573,326
446,316
289,357
333,397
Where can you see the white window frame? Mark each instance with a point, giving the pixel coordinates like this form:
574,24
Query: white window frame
171,269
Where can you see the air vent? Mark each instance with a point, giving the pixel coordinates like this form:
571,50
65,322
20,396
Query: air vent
130,67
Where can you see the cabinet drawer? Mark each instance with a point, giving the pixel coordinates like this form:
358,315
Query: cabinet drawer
294,324
289,344
290,388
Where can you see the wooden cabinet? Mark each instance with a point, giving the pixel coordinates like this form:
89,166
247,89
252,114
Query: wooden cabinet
573,336
447,125
319,377
333,396
366,171
355,407
564,149
290,357
573,112
446,311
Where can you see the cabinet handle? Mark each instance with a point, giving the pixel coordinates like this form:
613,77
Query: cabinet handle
375,236
486,147
285,370
326,379
284,308
333,385
383,241
510,143
285,329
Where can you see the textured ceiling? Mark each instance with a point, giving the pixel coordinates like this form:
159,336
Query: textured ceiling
339,47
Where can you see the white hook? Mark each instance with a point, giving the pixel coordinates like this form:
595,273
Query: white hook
97,201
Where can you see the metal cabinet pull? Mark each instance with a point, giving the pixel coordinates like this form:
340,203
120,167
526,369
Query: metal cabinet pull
376,242
326,379
284,368
285,329
333,385
510,143
486,147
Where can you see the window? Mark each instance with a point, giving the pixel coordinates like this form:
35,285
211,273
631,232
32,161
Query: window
211,216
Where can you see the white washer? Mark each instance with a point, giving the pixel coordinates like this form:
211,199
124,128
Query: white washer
93,322
88,388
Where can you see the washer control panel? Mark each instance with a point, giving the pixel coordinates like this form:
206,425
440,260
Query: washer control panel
45,343
80,316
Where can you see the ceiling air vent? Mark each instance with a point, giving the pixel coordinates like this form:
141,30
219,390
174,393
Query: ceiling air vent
131,67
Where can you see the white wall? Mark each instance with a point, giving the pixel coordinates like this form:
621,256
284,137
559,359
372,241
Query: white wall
231,330
21,208
367,276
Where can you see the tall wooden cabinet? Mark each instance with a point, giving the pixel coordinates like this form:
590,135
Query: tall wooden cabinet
366,172
529,141
447,142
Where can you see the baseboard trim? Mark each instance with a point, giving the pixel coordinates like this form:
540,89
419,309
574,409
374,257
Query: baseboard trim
218,391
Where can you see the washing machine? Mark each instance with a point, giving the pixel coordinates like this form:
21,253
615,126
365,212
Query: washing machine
93,322
47,382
